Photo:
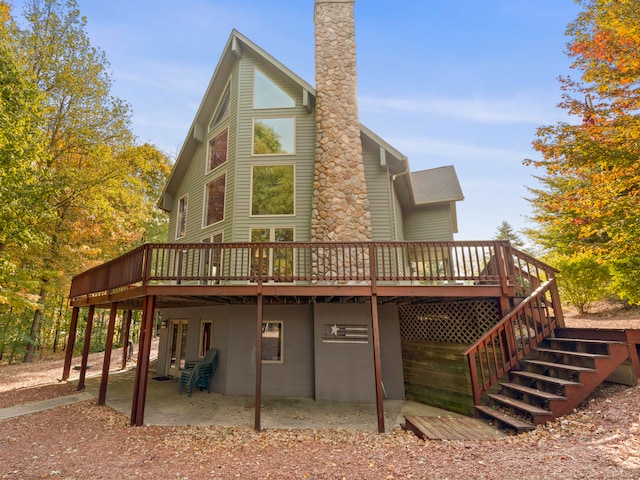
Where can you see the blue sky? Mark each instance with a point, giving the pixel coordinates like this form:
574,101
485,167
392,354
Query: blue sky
446,82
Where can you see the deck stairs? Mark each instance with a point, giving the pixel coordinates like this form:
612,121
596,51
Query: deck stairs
553,379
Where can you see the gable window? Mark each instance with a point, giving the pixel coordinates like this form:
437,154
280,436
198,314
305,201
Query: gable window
181,223
272,342
277,262
218,149
274,136
272,190
267,94
214,192
223,109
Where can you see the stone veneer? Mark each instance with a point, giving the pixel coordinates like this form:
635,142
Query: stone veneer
340,204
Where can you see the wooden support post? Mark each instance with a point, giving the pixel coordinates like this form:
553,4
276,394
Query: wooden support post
106,362
377,364
259,317
142,369
71,341
125,346
85,348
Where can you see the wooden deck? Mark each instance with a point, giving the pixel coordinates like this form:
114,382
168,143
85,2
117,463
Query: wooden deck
451,428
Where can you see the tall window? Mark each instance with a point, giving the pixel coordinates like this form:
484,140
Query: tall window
277,262
274,136
181,223
272,342
215,200
273,190
218,149
267,94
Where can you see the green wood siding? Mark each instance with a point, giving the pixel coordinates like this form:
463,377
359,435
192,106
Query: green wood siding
429,224
378,191
303,158
195,179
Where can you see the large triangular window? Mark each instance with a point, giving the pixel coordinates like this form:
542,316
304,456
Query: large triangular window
267,94
223,108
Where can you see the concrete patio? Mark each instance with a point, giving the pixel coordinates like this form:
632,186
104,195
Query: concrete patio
166,406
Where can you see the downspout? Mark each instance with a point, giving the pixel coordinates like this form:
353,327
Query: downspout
392,195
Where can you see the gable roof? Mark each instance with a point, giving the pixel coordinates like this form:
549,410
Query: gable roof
435,185
237,43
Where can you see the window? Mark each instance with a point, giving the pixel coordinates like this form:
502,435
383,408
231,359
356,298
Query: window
273,136
215,200
277,262
223,109
267,94
218,149
211,259
206,329
181,221
272,342
272,190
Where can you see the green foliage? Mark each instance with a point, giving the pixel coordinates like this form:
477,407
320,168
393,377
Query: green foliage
589,195
272,190
506,232
77,187
265,140
582,280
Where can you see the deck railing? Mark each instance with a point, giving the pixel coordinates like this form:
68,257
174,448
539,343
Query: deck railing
501,349
412,263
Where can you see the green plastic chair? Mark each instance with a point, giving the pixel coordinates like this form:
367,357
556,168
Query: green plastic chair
198,374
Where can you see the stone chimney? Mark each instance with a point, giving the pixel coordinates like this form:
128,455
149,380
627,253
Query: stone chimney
340,210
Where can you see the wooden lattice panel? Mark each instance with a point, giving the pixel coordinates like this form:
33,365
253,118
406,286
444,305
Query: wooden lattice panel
449,322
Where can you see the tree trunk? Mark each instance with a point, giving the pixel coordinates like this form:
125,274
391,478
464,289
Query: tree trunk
35,326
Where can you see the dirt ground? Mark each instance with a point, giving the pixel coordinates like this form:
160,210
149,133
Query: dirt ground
600,440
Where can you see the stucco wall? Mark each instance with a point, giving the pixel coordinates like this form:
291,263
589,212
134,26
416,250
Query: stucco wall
344,371
340,372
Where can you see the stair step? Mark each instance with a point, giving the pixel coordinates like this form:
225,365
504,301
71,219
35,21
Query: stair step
573,354
545,378
562,366
583,340
525,407
515,423
533,391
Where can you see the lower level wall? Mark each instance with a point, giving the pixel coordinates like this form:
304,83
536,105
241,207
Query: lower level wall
315,364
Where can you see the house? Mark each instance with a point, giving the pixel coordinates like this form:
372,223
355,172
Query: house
303,248
245,174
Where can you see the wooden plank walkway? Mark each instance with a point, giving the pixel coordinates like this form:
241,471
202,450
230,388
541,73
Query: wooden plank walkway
451,428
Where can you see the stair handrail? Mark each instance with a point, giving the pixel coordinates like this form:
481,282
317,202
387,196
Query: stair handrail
502,347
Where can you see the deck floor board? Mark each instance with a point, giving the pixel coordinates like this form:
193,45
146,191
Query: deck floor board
451,428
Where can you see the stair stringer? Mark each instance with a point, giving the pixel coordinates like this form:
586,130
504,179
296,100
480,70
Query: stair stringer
604,366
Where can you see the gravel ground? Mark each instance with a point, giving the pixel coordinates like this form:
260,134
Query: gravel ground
600,440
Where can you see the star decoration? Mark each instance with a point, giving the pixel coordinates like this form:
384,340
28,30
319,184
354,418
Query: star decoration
334,330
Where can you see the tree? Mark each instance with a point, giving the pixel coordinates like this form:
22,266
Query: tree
506,232
582,279
589,200
102,186
24,185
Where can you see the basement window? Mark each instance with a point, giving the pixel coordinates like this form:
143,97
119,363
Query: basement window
272,342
